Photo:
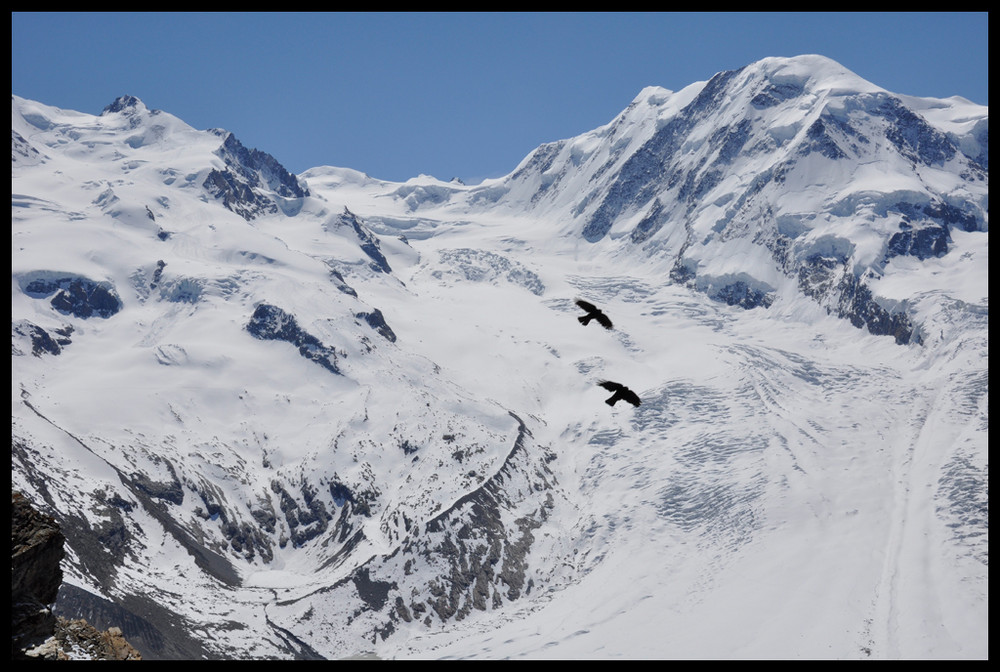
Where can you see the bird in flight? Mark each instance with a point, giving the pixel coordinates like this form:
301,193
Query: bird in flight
593,313
620,393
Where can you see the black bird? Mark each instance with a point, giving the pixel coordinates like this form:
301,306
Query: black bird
620,393
593,313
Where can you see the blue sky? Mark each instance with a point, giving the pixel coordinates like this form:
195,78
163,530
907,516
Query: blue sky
452,94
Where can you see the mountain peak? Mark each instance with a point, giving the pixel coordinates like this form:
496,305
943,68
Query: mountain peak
811,72
125,104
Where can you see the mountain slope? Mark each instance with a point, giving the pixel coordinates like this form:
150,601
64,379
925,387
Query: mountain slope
319,415
254,412
783,178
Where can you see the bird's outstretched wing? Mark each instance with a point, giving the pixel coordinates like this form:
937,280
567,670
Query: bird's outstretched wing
586,305
611,386
631,397
603,320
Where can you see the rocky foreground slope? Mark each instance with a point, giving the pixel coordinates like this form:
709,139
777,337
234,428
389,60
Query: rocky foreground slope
36,632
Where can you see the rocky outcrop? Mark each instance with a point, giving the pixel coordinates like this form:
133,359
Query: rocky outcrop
237,195
860,306
77,296
78,640
270,323
250,180
25,335
482,556
21,151
36,551
474,556
367,241
341,284
653,164
126,104
925,230
376,321
260,169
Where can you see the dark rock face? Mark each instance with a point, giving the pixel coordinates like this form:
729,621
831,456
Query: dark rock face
925,230
653,164
540,162
103,537
244,537
301,507
36,549
148,626
951,216
818,275
77,296
376,321
248,173
270,323
259,167
42,342
821,141
237,195
158,273
829,278
74,639
923,243
305,522
373,593
776,93
368,241
170,491
859,306
741,294
912,136
21,150
651,223
122,104
133,110
342,285
982,136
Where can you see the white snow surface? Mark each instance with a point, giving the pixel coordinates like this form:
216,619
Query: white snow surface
791,487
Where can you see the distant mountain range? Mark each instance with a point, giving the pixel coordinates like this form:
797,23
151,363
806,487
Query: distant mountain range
322,415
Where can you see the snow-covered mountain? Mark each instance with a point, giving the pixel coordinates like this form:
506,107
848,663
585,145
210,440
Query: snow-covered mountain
325,415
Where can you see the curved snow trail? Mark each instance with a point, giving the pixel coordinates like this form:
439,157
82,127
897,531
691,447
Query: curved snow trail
910,597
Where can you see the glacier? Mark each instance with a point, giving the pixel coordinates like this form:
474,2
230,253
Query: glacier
326,416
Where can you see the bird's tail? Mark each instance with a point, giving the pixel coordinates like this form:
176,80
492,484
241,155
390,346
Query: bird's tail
584,320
